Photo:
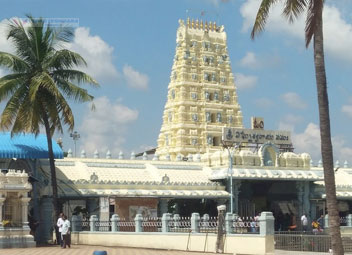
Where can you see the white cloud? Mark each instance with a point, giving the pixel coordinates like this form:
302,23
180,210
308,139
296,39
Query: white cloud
293,100
347,108
249,60
309,141
264,103
135,79
289,122
337,31
245,81
97,53
106,127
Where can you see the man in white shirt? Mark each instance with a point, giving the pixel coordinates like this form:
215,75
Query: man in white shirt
66,232
59,224
304,222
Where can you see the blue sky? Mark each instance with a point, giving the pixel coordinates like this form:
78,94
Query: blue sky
130,44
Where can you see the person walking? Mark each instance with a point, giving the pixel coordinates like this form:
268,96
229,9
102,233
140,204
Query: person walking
66,232
304,222
59,224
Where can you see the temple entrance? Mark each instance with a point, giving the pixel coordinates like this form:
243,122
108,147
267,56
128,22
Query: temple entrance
279,197
185,207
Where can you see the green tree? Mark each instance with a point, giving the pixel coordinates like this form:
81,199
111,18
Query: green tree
42,78
313,30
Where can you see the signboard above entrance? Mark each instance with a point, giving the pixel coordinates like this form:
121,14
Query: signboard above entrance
239,135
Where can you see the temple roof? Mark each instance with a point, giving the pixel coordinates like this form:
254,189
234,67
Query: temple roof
266,173
134,178
26,146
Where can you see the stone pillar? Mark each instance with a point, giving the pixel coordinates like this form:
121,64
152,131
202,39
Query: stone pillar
236,193
165,222
300,192
25,201
266,223
205,220
229,223
2,200
176,220
195,219
326,221
115,219
349,220
44,232
76,223
104,209
138,220
306,202
93,220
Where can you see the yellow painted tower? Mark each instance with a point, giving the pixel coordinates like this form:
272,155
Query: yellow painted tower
201,96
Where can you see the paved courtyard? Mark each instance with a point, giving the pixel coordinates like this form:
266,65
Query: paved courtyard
88,250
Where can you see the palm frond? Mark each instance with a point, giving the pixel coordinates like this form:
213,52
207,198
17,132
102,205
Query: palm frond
293,8
21,42
13,62
74,75
74,92
10,83
262,16
314,14
64,59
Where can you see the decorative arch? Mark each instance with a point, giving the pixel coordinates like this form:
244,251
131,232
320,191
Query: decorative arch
269,154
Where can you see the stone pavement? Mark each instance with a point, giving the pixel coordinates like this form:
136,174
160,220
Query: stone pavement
88,250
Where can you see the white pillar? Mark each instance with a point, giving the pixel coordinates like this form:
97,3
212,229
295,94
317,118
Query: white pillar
2,200
25,201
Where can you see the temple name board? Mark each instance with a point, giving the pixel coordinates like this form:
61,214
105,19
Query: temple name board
239,135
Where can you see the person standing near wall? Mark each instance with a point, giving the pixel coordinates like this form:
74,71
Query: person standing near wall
59,224
66,232
304,222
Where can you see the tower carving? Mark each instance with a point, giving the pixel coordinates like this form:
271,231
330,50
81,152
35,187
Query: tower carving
202,95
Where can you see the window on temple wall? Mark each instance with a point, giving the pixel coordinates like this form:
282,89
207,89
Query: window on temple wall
174,75
218,117
230,119
207,95
186,55
213,77
166,140
223,80
195,117
208,116
12,210
226,97
169,116
173,94
194,76
206,45
216,96
194,141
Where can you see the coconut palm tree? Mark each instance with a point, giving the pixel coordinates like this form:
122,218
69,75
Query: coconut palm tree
313,30
42,78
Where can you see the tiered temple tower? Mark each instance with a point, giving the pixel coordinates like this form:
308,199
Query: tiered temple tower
201,96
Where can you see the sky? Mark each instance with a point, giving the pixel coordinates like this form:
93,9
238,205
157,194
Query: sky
129,46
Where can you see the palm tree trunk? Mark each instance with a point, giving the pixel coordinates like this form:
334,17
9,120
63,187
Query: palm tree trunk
52,165
326,145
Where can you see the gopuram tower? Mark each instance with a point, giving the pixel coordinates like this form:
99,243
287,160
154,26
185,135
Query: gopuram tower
201,96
